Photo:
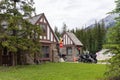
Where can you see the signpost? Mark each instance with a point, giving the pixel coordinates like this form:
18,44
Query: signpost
61,43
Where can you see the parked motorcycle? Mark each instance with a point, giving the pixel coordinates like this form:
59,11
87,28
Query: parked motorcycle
87,58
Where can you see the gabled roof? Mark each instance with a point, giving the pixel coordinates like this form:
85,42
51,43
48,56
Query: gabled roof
35,18
75,40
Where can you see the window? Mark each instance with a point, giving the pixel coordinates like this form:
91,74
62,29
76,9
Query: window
45,50
43,27
69,51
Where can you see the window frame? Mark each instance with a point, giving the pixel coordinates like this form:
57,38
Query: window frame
67,50
44,30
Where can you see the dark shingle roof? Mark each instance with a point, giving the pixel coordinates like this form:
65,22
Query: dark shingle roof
34,19
75,40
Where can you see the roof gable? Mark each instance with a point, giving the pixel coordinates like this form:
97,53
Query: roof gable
35,18
45,19
41,18
75,40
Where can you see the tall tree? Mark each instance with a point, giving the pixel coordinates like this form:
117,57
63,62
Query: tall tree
113,43
57,32
73,31
64,28
92,37
17,34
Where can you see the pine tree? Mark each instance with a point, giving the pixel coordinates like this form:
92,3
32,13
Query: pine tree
16,33
113,43
64,28
93,37
57,32
73,31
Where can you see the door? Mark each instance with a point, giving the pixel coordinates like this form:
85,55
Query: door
7,59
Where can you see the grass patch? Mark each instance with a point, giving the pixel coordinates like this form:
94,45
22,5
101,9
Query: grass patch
103,60
53,71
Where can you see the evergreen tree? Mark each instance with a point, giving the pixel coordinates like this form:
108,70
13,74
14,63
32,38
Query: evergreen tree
64,28
93,37
73,31
113,43
99,35
57,32
16,33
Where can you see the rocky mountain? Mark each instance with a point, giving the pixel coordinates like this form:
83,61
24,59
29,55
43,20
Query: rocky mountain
109,21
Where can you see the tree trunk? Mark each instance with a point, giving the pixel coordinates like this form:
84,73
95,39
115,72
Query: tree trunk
14,60
0,57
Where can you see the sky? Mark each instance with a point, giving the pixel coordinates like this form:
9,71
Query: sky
74,13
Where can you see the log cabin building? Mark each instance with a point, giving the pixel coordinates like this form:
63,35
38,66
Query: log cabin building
72,47
48,41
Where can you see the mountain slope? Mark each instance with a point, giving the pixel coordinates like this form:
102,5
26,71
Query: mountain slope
109,21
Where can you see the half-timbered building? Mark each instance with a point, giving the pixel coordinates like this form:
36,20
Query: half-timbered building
48,39
72,47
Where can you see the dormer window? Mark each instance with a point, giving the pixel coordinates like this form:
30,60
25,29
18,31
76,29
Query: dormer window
44,28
